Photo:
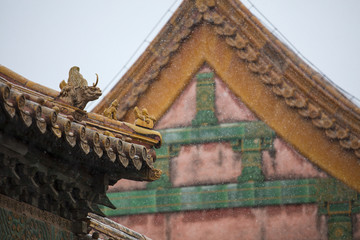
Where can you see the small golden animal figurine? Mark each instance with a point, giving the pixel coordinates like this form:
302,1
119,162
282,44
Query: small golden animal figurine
111,111
143,119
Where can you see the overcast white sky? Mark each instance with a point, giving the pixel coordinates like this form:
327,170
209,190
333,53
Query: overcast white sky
42,39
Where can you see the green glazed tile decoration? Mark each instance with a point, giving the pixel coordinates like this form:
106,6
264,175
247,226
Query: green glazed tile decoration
332,190
243,137
205,100
251,166
21,226
226,132
339,227
249,194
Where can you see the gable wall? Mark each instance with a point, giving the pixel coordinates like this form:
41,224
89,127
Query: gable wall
216,164
258,170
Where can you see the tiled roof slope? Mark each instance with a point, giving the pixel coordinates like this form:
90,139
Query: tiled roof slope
279,87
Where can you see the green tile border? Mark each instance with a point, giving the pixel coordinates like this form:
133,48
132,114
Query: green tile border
253,194
227,132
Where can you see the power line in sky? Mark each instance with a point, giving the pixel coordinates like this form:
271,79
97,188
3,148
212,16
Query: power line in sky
146,42
286,41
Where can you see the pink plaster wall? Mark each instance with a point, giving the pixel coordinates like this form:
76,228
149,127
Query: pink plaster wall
356,226
209,163
267,223
153,226
183,110
294,222
217,163
127,185
230,224
228,107
287,164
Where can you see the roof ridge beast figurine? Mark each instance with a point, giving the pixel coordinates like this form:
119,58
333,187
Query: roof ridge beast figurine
76,91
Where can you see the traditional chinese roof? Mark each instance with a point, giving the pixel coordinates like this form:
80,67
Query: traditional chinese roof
60,158
277,85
